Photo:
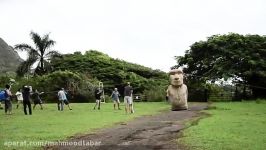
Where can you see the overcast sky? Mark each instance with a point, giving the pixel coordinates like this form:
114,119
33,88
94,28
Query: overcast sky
147,32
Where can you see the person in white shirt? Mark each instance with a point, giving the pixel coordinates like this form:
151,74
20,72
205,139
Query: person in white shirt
19,97
61,97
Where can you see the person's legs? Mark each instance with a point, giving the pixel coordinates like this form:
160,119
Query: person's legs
41,106
96,103
10,107
126,103
40,103
6,106
118,106
99,104
34,105
118,102
130,102
114,103
131,108
62,105
67,103
18,104
58,105
24,107
29,106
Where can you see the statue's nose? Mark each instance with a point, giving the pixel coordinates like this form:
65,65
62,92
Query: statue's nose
176,78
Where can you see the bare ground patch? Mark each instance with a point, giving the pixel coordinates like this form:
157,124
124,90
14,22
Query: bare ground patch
144,133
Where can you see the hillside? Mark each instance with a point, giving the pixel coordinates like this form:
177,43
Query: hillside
112,72
9,59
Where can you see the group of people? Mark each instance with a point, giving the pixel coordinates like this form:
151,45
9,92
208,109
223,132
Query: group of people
25,94
128,98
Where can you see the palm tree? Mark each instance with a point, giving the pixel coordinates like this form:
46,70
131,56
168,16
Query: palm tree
40,54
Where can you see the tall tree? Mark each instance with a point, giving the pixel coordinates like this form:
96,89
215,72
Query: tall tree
40,54
229,56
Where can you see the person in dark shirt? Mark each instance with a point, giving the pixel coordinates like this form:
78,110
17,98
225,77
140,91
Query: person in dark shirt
98,93
8,103
128,91
26,100
36,98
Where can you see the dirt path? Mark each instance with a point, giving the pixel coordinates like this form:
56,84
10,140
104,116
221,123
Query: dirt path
143,133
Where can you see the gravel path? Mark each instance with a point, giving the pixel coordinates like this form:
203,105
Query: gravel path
144,133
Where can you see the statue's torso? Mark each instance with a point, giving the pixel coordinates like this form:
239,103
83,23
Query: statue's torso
178,97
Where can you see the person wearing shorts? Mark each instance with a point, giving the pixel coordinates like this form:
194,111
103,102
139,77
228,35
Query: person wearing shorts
98,93
115,97
128,91
19,97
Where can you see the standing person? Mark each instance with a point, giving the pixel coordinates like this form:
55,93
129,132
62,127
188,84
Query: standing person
98,93
36,98
26,100
128,91
61,97
19,97
115,96
66,100
8,104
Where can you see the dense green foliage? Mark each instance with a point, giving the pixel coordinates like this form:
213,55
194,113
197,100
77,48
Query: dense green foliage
234,126
52,125
242,58
115,73
40,54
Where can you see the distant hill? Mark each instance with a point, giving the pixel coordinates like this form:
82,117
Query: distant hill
112,72
9,59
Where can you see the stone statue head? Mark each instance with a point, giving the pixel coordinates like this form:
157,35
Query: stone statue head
176,77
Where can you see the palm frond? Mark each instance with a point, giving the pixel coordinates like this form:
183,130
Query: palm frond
47,41
37,41
33,55
49,44
24,47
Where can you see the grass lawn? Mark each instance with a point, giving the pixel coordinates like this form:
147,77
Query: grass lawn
231,126
51,125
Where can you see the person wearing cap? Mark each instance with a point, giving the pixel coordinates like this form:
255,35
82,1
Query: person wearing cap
115,96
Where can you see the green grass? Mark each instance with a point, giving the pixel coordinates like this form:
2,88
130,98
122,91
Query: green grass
231,126
51,125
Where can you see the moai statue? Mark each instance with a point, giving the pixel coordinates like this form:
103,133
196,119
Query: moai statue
177,92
